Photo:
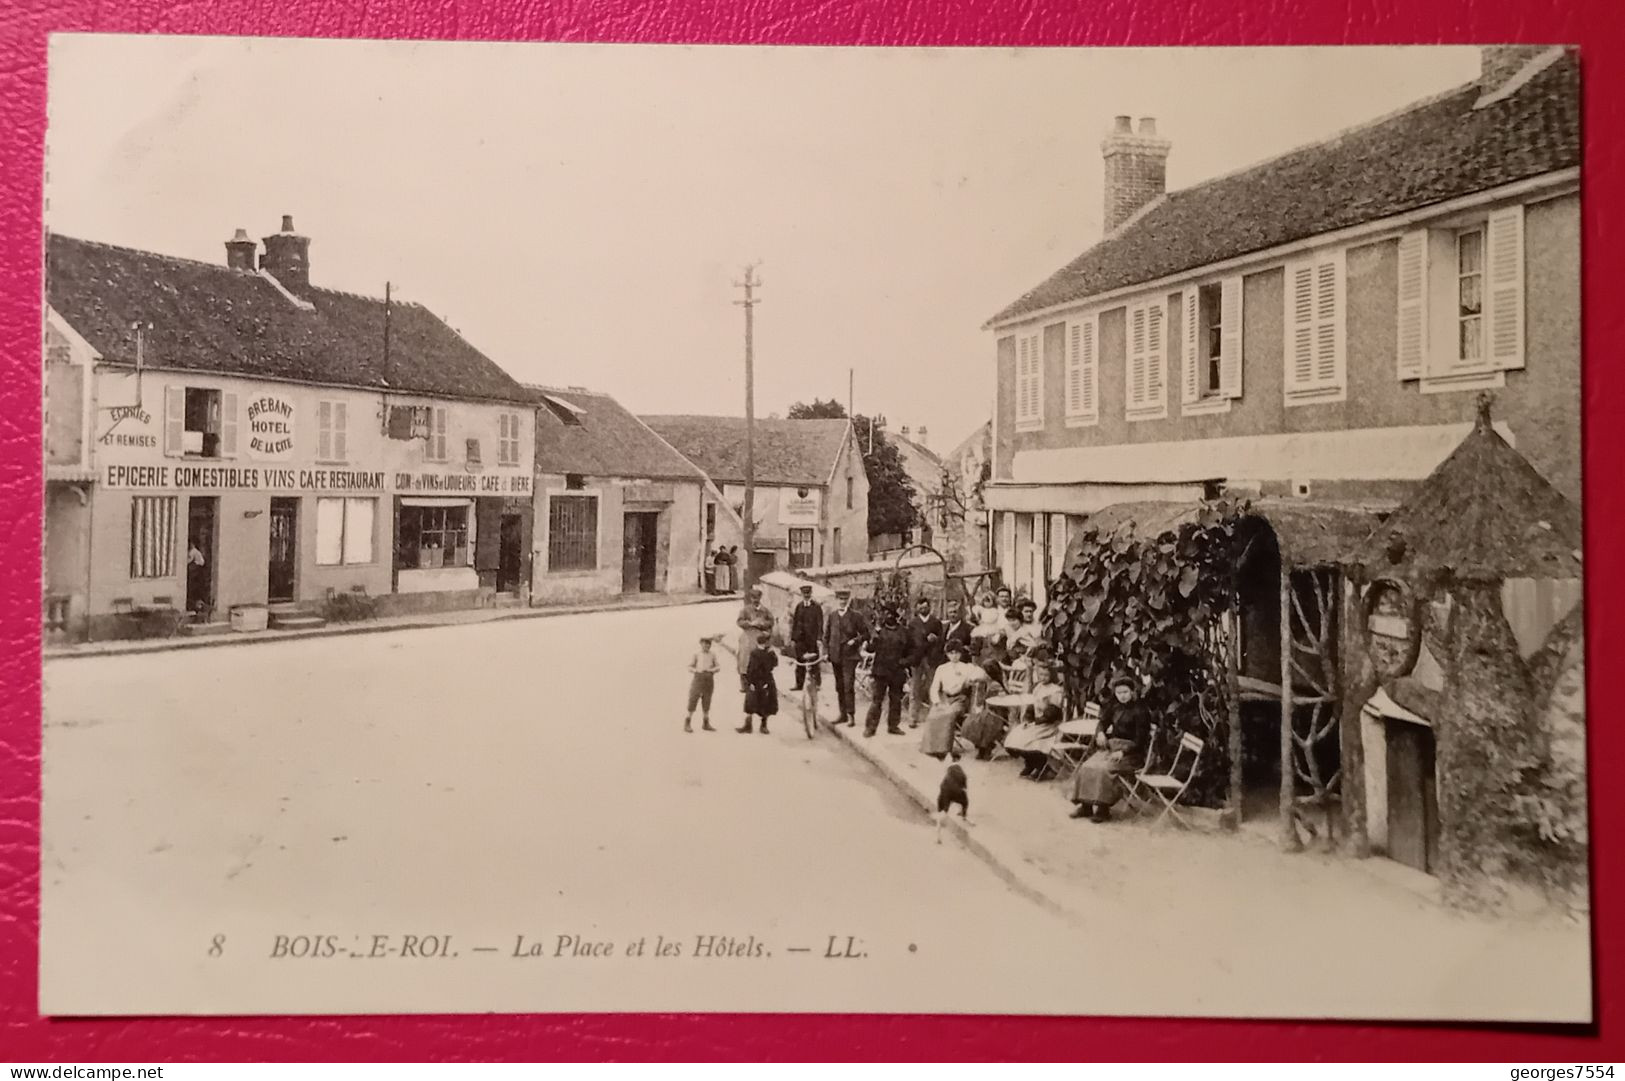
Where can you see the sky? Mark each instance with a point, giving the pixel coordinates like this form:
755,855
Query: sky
582,212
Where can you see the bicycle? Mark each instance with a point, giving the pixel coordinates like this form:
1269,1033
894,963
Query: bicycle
812,676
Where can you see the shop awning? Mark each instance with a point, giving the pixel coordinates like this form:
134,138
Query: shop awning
1310,533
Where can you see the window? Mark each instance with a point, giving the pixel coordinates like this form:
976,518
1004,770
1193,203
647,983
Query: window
835,542
508,439
200,422
435,449
1315,358
1211,353
1082,373
472,451
332,431
152,536
432,537
1029,383
851,490
1146,358
1469,296
574,482
344,531
710,526
1461,302
801,548
572,533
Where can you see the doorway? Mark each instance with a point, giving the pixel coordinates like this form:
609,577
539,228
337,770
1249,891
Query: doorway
1413,800
638,540
284,549
510,554
202,513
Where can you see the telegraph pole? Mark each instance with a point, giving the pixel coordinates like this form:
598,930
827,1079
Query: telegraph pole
749,285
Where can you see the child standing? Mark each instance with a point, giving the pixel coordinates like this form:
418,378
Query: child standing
761,692
700,686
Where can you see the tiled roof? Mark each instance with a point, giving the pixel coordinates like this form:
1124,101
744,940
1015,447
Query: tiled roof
212,318
606,441
788,452
924,468
1436,150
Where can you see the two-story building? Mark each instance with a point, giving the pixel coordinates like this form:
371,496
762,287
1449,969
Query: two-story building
618,510
812,494
230,435
1315,326
1311,333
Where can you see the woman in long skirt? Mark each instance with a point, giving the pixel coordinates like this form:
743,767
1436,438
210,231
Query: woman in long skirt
761,692
952,690
1121,742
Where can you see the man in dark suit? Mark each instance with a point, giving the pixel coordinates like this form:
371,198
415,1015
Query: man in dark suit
894,657
926,639
958,629
806,631
844,634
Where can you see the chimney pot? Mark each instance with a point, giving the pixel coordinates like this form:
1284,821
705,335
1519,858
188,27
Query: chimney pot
1148,125
1136,169
287,223
287,258
241,234
1123,124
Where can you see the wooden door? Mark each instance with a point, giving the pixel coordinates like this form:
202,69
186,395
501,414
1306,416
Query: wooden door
1413,816
631,552
510,559
284,546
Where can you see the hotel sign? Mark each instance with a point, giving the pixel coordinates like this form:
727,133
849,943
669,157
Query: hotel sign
270,428
798,506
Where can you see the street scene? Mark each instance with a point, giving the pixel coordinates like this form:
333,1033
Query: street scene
995,559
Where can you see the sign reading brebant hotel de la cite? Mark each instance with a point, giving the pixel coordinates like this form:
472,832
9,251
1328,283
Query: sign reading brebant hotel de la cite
271,422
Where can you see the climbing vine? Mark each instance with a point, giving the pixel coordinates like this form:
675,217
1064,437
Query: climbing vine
1153,607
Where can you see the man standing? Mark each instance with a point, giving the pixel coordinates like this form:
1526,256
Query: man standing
959,629
844,634
755,625
806,631
926,643
894,656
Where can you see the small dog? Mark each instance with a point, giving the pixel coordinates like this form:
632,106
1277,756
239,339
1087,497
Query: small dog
955,790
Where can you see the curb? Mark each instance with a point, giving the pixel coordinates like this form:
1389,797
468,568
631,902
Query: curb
167,645
1008,870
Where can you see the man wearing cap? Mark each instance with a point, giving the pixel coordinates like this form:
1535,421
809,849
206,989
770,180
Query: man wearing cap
755,625
894,658
926,634
806,631
844,635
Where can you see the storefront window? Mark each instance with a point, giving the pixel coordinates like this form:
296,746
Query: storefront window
152,536
572,533
432,537
344,531
801,548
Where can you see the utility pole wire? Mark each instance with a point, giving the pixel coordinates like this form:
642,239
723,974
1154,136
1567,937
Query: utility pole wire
749,285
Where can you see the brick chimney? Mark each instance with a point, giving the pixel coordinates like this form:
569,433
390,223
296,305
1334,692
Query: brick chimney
1497,64
287,257
1136,168
920,438
240,252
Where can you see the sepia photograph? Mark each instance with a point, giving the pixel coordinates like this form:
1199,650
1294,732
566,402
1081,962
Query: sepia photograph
646,528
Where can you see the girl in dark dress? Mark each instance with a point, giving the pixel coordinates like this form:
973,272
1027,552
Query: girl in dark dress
761,692
1121,741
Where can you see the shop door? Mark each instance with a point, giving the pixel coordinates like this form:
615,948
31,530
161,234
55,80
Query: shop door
510,560
283,559
1413,812
638,552
201,515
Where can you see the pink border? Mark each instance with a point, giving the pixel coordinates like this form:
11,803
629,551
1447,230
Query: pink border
24,1036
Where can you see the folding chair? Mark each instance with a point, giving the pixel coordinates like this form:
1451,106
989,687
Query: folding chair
978,702
1147,789
1073,742
1015,702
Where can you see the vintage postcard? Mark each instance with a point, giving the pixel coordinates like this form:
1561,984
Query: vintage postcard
624,528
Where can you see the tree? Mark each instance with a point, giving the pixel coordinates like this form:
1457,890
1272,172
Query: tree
891,495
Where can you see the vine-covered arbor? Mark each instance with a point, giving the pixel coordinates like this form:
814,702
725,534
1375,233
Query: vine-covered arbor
1235,610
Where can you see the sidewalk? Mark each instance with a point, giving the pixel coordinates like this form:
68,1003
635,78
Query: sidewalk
1180,886
633,602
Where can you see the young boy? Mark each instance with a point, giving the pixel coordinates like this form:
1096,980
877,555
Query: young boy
703,682
955,790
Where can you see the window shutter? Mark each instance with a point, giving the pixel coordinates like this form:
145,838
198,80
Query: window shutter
228,424
1413,303
1300,322
324,431
1137,358
1191,386
1504,258
341,431
1230,338
438,438
174,419
1074,369
1088,371
1328,341
1156,359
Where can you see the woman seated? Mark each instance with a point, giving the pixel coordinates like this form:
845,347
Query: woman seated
1121,742
1030,626
952,691
1032,739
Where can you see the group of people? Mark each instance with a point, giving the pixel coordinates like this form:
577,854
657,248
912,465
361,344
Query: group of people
721,571
997,646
